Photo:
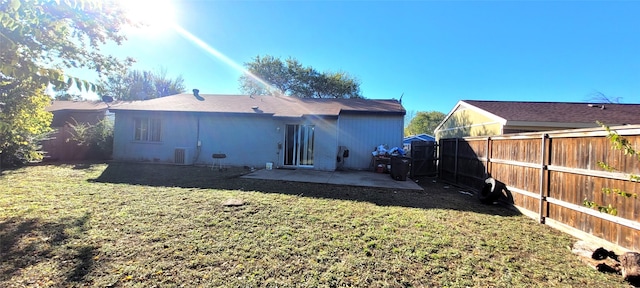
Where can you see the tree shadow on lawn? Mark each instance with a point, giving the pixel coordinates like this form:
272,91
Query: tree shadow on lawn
434,197
77,165
28,242
13,168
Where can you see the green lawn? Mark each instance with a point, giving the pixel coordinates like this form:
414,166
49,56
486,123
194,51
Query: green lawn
153,225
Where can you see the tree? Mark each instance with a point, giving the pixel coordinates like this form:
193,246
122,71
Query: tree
165,86
141,85
270,75
601,98
39,39
622,144
65,95
23,120
424,122
98,138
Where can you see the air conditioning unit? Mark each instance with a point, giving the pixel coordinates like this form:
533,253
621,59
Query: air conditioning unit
181,156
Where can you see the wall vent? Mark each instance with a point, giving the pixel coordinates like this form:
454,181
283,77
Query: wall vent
180,156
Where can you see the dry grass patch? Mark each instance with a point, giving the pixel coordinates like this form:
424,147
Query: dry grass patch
152,225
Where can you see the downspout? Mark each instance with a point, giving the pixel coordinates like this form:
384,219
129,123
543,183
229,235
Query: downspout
198,142
196,93
279,152
335,164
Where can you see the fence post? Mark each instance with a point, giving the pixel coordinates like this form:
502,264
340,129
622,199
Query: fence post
543,168
487,170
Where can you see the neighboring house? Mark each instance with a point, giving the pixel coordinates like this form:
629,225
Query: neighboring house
58,146
485,118
255,130
64,112
406,143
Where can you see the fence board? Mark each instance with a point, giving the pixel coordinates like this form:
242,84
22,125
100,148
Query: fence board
562,166
423,158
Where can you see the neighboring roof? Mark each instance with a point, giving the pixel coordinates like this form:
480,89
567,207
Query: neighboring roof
85,106
281,106
561,111
519,113
419,137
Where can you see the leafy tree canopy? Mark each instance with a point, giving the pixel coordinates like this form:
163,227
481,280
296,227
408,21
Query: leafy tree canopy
39,39
42,38
291,78
65,95
424,122
141,85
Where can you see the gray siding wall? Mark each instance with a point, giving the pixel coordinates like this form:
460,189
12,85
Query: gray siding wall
246,140
361,134
178,130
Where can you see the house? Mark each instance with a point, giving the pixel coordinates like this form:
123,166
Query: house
485,118
58,146
64,112
253,130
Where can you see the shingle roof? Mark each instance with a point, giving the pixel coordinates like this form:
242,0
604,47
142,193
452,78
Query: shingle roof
282,106
561,112
59,105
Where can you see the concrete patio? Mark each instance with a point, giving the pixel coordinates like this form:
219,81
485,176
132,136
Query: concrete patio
352,178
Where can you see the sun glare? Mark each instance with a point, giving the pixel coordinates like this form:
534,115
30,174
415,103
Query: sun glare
153,16
159,17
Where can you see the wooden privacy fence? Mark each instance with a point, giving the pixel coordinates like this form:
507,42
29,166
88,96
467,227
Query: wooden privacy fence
59,146
549,175
424,158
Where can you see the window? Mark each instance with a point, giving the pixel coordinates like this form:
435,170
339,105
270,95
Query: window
147,129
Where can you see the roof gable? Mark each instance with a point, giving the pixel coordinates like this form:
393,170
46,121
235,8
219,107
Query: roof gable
462,105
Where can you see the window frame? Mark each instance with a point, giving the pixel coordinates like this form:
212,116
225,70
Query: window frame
147,129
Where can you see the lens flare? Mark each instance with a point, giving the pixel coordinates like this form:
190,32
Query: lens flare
153,16
217,54
228,61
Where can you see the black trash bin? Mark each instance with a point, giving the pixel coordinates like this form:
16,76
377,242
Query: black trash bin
400,168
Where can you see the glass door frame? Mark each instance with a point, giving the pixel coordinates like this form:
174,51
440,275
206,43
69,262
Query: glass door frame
299,145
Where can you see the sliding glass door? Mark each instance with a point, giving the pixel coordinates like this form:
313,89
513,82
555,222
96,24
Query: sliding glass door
298,145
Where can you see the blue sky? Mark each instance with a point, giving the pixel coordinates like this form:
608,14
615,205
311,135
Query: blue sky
434,52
